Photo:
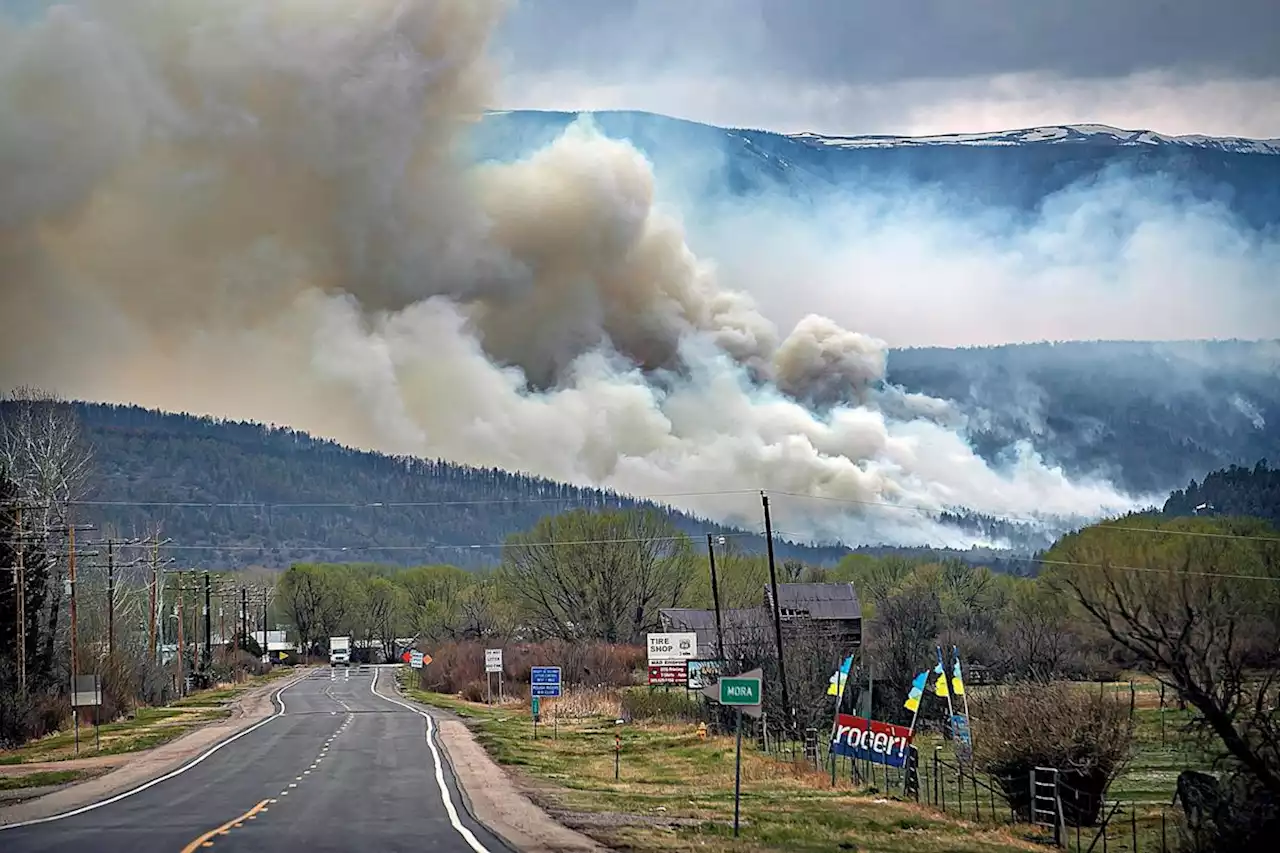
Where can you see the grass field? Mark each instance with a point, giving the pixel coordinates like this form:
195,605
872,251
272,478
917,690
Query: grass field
44,779
149,727
674,791
1146,820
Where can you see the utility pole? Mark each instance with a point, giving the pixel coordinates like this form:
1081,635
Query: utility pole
71,577
20,597
111,599
777,608
244,616
182,684
265,592
154,601
208,624
715,598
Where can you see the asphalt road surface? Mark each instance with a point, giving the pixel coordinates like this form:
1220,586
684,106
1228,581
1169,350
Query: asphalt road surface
340,770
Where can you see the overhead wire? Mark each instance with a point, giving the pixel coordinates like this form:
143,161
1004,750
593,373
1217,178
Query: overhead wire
624,499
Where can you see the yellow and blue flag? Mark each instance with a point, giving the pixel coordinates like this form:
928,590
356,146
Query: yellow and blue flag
940,685
839,677
917,690
957,683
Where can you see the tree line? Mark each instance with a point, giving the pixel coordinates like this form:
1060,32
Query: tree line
1194,602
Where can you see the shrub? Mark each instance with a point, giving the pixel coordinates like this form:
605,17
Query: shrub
1086,736
666,706
454,665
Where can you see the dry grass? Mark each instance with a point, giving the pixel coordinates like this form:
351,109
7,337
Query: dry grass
148,728
675,791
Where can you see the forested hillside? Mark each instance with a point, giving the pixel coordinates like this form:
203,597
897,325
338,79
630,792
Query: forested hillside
345,505
1234,491
1148,416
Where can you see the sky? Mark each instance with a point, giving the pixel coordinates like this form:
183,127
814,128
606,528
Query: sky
904,66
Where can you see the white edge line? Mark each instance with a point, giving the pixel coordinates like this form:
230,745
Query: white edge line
172,773
466,834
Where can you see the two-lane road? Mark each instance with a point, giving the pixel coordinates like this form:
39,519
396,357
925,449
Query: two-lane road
339,768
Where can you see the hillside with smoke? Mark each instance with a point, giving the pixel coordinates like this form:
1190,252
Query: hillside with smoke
263,211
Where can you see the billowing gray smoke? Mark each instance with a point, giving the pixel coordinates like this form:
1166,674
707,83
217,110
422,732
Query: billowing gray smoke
258,210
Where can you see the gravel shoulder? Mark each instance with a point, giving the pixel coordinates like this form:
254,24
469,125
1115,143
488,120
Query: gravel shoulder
129,771
492,797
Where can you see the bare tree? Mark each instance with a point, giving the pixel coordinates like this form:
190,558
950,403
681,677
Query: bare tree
1203,611
1037,637
45,458
903,634
597,575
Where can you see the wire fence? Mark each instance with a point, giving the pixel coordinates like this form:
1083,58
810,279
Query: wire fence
1041,803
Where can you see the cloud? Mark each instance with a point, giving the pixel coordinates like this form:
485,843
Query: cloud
1156,101
259,211
872,66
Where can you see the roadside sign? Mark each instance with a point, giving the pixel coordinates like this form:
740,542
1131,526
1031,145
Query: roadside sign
415,659
871,740
667,674
86,691
406,657
537,706
962,739
739,691
544,681
427,659
493,660
672,648
282,655
701,673
744,692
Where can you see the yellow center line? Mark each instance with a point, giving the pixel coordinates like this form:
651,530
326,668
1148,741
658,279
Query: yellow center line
205,840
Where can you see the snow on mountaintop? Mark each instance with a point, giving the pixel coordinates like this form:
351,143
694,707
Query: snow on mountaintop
1096,134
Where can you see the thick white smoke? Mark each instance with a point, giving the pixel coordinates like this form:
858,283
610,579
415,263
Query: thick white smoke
258,210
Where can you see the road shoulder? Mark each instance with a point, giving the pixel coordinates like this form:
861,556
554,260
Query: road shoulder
491,796
139,768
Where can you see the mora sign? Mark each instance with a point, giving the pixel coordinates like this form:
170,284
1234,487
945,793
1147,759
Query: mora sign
869,740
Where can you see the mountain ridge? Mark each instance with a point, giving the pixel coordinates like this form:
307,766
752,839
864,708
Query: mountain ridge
706,164
1102,134
1061,134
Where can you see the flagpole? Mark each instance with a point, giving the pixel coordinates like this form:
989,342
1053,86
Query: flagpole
835,717
915,715
951,711
955,653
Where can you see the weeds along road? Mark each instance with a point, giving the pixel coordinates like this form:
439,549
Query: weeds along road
339,768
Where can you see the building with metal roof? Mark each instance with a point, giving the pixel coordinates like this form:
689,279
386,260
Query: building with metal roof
828,607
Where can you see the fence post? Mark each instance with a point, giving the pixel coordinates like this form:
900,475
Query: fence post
1059,820
1133,828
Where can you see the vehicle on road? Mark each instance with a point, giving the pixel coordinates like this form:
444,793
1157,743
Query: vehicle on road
339,651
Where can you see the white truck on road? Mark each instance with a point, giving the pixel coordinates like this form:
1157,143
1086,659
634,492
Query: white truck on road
339,651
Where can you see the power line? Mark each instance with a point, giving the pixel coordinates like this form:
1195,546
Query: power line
264,505
441,546
609,499
647,539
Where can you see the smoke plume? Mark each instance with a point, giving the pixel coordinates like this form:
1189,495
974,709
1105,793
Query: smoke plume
261,210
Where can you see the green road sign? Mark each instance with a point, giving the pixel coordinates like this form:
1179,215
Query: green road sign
739,691
537,705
